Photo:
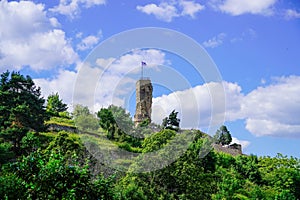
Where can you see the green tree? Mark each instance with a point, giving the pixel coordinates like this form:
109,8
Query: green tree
21,108
107,122
171,122
55,105
80,110
106,118
84,120
115,119
223,136
122,118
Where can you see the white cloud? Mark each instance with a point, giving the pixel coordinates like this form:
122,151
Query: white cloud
88,42
90,3
271,127
239,7
272,110
205,107
166,11
72,8
244,143
292,14
75,89
30,38
63,83
54,22
131,62
215,41
190,8
163,11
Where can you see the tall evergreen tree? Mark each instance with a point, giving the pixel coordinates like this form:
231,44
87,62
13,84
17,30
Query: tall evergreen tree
21,108
223,136
55,105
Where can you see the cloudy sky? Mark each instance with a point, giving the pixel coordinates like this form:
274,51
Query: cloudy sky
253,44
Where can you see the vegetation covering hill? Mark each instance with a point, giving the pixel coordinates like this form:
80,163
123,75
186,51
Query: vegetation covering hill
38,162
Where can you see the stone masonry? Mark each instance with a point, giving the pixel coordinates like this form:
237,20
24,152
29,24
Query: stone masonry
143,107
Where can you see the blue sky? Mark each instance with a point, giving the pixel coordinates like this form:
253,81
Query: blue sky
254,44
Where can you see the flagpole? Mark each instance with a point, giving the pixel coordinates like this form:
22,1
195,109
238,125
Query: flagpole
142,70
143,64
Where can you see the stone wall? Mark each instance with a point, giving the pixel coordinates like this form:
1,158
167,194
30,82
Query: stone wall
57,127
235,149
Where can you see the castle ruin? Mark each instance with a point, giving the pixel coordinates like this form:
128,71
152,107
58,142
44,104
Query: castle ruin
143,107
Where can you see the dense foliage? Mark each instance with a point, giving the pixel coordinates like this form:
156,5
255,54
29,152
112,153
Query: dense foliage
56,172
39,164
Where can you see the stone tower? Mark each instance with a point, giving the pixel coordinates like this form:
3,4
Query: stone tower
143,100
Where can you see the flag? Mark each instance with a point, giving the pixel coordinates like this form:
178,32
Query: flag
144,63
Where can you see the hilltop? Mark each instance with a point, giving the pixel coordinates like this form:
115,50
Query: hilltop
49,153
